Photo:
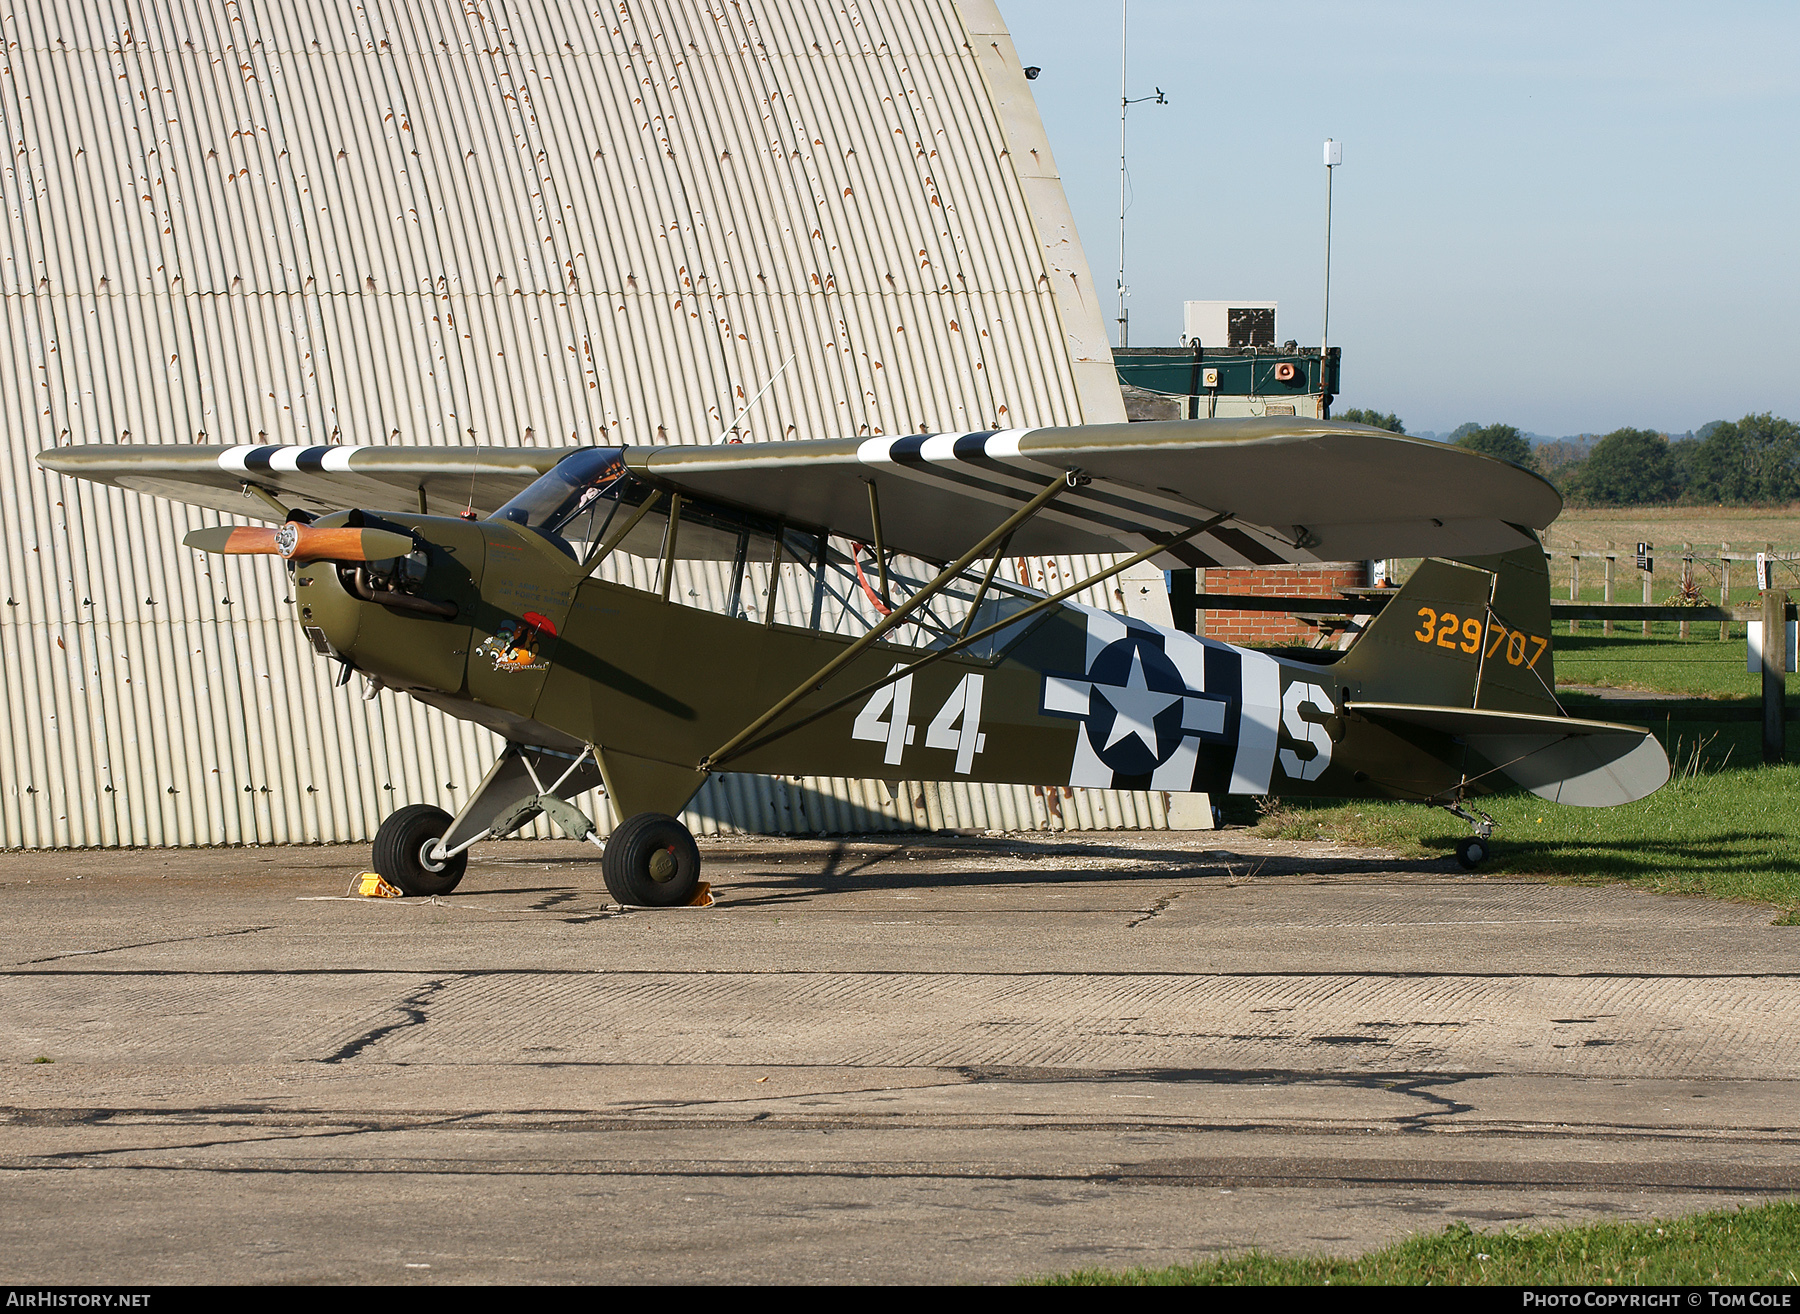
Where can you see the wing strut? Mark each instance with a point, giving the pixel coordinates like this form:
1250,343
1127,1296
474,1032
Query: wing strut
605,549
737,747
894,617
887,600
986,580
668,561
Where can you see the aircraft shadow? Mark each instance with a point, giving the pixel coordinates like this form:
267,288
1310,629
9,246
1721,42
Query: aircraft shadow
884,857
916,861
786,807
870,865
1606,861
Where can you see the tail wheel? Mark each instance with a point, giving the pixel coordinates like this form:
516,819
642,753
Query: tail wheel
403,848
1472,852
651,861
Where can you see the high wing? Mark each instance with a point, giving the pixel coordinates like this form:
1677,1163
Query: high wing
317,479
1294,490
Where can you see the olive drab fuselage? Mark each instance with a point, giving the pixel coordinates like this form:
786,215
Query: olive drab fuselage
544,653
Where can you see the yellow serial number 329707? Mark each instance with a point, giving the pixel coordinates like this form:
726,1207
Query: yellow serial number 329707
1448,630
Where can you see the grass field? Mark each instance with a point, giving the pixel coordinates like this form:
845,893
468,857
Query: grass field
1730,834
1747,529
1664,663
1708,529
1739,1247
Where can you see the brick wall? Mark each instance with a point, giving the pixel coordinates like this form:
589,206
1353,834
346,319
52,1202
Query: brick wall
1264,627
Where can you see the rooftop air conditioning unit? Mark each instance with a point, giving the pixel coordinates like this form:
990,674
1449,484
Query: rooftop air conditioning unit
1228,323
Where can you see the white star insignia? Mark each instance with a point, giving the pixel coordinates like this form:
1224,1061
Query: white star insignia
1137,706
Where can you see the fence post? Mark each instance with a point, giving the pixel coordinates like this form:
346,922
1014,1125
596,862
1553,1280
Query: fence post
1724,590
1687,580
1774,674
1574,583
1606,629
1648,580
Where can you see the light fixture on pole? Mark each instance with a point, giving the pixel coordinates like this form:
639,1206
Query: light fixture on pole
1334,156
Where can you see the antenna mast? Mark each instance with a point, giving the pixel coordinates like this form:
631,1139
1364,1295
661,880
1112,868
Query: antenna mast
1334,156
1125,104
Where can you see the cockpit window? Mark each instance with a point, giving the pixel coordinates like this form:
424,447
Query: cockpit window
573,498
754,567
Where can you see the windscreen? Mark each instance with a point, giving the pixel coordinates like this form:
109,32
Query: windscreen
569,501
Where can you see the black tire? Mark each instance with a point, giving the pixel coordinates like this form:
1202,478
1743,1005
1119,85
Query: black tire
1472,852
402,843
650,861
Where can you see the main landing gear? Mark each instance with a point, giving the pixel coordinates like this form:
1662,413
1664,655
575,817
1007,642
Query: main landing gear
649,861
1477,848
404,852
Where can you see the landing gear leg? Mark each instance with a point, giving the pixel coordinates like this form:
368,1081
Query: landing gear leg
1478,848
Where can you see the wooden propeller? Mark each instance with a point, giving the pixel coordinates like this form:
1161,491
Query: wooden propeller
298,542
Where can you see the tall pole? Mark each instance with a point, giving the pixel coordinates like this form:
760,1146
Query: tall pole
1124,105
1334,156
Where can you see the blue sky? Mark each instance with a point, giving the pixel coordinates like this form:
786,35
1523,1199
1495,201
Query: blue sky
1568,217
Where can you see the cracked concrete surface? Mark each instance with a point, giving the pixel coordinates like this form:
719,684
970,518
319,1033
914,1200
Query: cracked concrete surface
895,1060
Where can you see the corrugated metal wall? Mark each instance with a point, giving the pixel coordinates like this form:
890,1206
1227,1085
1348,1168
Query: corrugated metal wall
441,221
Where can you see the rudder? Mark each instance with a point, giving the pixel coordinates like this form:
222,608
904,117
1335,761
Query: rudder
1468,633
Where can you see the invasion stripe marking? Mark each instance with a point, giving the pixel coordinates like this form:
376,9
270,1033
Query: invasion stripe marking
289,458
971,446
1077,513
243,458
1003,447
1189,555
999,456
276,458
1158,512
1093,508
1256,553
930,455
954,458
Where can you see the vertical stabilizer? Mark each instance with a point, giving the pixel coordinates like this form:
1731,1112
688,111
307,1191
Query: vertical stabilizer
1472,633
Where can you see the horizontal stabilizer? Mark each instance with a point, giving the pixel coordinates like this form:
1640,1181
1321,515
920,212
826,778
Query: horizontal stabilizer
1587,764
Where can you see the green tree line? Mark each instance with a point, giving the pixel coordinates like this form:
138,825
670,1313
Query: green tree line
1755,460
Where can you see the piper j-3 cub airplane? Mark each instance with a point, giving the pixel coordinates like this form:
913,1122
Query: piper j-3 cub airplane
868,631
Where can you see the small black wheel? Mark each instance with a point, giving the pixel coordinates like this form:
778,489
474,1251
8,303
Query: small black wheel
403,851
1472,852
651,861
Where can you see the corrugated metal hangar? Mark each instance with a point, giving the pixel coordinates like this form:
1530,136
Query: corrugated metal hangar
516,222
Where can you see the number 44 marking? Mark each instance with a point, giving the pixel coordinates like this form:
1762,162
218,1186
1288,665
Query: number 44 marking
956,728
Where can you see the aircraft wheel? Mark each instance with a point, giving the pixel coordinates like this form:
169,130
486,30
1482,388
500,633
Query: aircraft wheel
651,861
403,846
1472,852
